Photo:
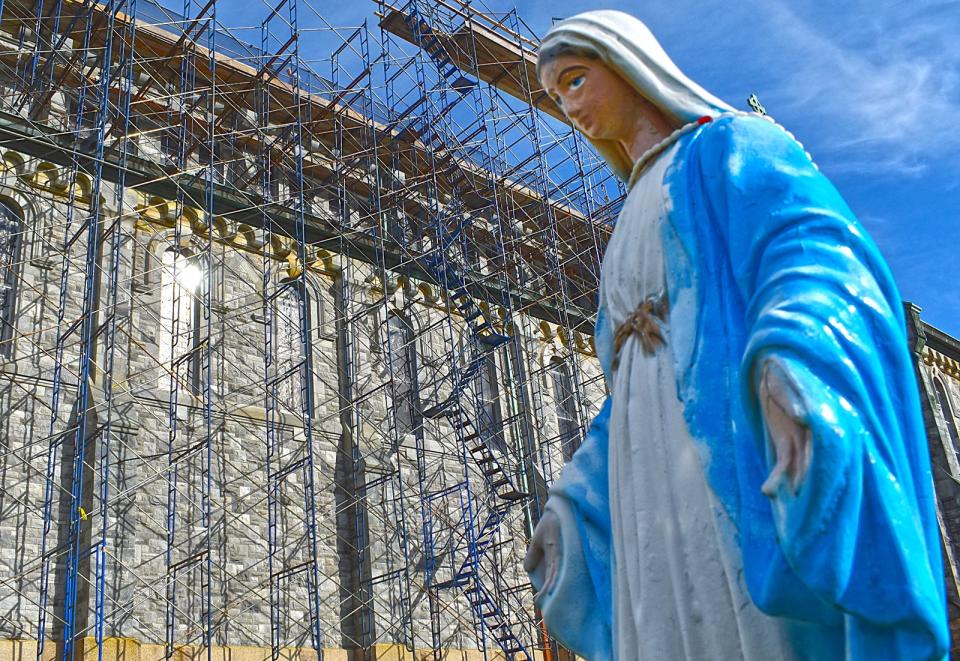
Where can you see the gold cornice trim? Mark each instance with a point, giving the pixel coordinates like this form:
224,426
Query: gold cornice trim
945,364
49,180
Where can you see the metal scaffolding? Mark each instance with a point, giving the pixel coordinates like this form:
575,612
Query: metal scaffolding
194,404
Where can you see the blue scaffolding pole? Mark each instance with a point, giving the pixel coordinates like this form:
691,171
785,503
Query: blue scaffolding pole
281,167
189,551
83,358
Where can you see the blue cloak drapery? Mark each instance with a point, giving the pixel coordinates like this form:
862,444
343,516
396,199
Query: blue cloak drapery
765,260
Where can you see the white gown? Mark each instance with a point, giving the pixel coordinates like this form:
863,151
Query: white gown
678,590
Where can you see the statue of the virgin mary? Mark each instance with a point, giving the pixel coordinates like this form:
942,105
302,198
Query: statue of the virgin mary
757,485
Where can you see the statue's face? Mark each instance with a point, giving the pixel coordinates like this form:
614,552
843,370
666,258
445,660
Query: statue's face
597,101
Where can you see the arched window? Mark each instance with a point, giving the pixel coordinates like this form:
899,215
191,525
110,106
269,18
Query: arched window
10,240
403,368
289,347
490,413
180,280
322,318
947,413
564,399
277,191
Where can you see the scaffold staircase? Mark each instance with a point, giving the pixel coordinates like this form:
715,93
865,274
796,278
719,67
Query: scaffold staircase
502,496
502,493
431,45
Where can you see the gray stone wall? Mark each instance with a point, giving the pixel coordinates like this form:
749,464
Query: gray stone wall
370,480
937,360
187,469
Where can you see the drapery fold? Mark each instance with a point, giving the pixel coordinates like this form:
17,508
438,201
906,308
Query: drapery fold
783,270
578,610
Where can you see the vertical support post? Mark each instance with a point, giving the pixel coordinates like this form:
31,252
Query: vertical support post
289,453
189,525
81,451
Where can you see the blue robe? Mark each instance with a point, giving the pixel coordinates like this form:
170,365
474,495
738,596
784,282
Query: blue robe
765,259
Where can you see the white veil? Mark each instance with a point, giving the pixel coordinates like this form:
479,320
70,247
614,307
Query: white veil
628,47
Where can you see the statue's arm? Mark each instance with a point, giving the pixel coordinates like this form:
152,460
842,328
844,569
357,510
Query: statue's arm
787,233
823,328
570,552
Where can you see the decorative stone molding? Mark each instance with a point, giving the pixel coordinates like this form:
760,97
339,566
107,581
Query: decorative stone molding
48,177
945,364
571,341
54,180
152,211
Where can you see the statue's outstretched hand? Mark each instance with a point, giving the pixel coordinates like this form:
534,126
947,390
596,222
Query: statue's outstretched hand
790,437
543,556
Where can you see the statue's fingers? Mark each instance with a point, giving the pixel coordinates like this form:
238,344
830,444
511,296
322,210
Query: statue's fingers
545,533
781,388
772,483
533,558
803,453
551,574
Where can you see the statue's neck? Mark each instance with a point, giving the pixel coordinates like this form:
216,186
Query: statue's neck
649,128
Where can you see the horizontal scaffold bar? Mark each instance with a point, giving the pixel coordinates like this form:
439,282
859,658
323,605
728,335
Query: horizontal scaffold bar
152,180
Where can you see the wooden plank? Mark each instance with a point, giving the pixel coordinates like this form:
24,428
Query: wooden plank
500,63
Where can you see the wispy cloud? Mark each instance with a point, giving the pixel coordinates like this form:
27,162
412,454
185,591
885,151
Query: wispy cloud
882,74
898,101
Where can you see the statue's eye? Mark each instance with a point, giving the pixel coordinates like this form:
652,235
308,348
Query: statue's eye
576,82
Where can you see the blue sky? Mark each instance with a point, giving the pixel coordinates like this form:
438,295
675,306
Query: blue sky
872,89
